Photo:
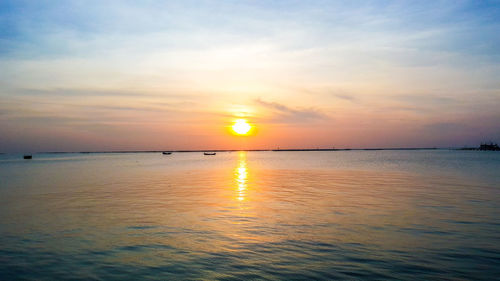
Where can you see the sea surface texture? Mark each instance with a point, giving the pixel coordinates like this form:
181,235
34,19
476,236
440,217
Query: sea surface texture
355,215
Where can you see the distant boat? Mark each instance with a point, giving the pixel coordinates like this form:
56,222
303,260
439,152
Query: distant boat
166,152
27,157
209,153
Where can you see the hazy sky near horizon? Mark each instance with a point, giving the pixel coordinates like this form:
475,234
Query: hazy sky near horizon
154,75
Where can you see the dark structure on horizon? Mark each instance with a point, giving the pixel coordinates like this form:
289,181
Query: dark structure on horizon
484,147
491,146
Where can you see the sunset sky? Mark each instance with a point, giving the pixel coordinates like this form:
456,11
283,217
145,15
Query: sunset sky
166,75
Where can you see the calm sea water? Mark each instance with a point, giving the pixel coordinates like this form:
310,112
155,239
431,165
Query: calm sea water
381,215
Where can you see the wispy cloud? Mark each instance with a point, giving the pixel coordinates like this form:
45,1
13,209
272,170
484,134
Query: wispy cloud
347,97
281,113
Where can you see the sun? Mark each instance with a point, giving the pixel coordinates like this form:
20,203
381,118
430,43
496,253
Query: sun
241,127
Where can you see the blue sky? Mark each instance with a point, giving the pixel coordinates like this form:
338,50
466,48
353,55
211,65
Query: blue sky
93,75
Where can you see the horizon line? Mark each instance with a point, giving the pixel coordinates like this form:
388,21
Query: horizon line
235,150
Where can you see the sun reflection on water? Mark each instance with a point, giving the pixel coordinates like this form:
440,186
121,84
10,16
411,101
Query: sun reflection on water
241,175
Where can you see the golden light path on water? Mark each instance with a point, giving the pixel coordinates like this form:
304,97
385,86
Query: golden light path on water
241,174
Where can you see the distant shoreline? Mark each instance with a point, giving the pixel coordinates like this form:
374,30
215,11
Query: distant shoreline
236,150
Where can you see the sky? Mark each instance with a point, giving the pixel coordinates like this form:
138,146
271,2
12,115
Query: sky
169,75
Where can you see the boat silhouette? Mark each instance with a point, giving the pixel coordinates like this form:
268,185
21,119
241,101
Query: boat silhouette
209,153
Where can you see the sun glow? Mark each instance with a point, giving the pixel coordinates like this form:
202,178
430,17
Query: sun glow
241,127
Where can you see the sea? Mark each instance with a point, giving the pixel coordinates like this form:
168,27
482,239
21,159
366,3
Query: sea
251,215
